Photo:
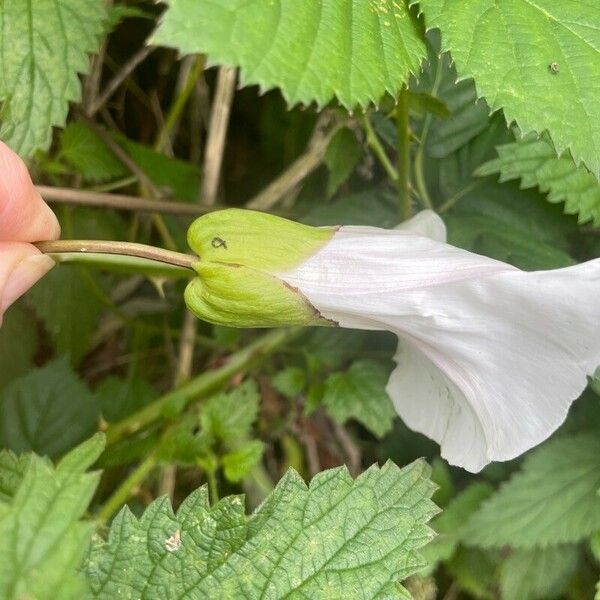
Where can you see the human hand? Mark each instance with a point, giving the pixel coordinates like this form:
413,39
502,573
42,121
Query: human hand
24,218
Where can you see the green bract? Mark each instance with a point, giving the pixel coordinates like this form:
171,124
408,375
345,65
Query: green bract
240,255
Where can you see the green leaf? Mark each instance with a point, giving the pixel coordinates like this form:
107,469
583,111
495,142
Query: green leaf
533,160
552,500
238,463
15,359
44,47
341,157
42,539
88,154
538,574
117,398
377,207
315,50
12,470
468,116
523,55
176,178
49,410
229,417
69,309
290,382
337,538
450,524
359,393
475,571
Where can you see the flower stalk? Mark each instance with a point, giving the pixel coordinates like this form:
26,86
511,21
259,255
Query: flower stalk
129,255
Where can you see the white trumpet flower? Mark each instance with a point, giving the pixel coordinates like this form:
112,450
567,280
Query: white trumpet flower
489,357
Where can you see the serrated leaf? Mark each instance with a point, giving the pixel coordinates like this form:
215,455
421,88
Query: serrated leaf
229,417
49,410
44,47
534,161
68,308
359,393
538,574
337,538
552,500
467,116
42,540
355,51
15,359
239,462
523,53
88,154
341,156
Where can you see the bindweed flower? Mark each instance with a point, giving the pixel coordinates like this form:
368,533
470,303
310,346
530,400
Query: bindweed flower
489,357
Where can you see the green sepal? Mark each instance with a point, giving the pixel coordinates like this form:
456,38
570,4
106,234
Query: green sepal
254,239
241,253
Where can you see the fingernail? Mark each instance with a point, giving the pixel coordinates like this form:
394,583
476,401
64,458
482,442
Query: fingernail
23,276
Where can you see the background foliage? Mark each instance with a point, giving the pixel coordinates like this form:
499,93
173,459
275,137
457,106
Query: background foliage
123,103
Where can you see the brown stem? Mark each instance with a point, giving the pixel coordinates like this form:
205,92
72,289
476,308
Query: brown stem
119,78
120,201
121,248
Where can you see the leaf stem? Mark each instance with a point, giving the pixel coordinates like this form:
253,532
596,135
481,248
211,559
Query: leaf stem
172,404
403,166
131,249
377,148
120,496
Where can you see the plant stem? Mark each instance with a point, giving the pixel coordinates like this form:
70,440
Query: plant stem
121,249
119,201
403,182
178,105
375,144
174,402
120,496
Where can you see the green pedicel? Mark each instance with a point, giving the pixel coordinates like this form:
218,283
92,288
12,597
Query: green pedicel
240,254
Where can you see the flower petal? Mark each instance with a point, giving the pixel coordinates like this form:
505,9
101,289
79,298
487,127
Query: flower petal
494,356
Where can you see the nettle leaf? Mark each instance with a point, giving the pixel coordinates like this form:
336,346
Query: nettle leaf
229,417
88,154
359,393
42,540
337,537
290,382
15,359
118,398
314,51
523,55
49,410
534,161
341,157
552,500
468,116
540,573
69,309
44,46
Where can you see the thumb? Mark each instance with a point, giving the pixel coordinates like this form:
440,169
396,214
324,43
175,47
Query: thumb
21,265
